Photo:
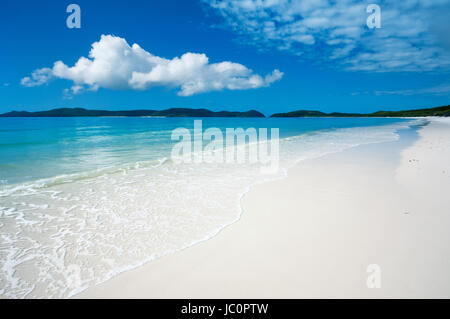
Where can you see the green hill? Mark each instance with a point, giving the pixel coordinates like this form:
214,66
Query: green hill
435,111
174,112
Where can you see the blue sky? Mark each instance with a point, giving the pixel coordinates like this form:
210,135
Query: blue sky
273,56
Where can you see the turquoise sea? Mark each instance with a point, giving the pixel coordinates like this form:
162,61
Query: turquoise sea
36,148
88,198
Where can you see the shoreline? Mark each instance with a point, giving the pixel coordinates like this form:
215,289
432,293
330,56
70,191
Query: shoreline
84,228
205,261
240,208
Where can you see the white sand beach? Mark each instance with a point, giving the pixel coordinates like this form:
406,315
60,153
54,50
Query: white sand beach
314,233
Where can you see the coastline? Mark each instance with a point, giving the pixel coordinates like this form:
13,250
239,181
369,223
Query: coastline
134,229
296,236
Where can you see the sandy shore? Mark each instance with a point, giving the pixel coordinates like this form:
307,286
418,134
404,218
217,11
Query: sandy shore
314,233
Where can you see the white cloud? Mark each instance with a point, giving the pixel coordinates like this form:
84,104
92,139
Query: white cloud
413,37
439,90
114,64
38,77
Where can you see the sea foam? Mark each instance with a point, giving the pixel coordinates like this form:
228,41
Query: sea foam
107,221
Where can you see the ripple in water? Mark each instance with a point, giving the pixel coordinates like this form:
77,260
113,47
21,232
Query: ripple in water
105,222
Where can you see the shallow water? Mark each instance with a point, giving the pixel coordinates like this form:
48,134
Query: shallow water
84,199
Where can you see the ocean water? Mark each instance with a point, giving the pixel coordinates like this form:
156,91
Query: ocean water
83,199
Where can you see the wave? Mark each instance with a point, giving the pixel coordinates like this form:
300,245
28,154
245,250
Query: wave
107,221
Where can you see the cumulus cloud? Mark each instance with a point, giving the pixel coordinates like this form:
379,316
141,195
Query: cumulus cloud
114,64
409,39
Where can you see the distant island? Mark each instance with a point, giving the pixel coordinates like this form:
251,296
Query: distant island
435,111
185,112
174,112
